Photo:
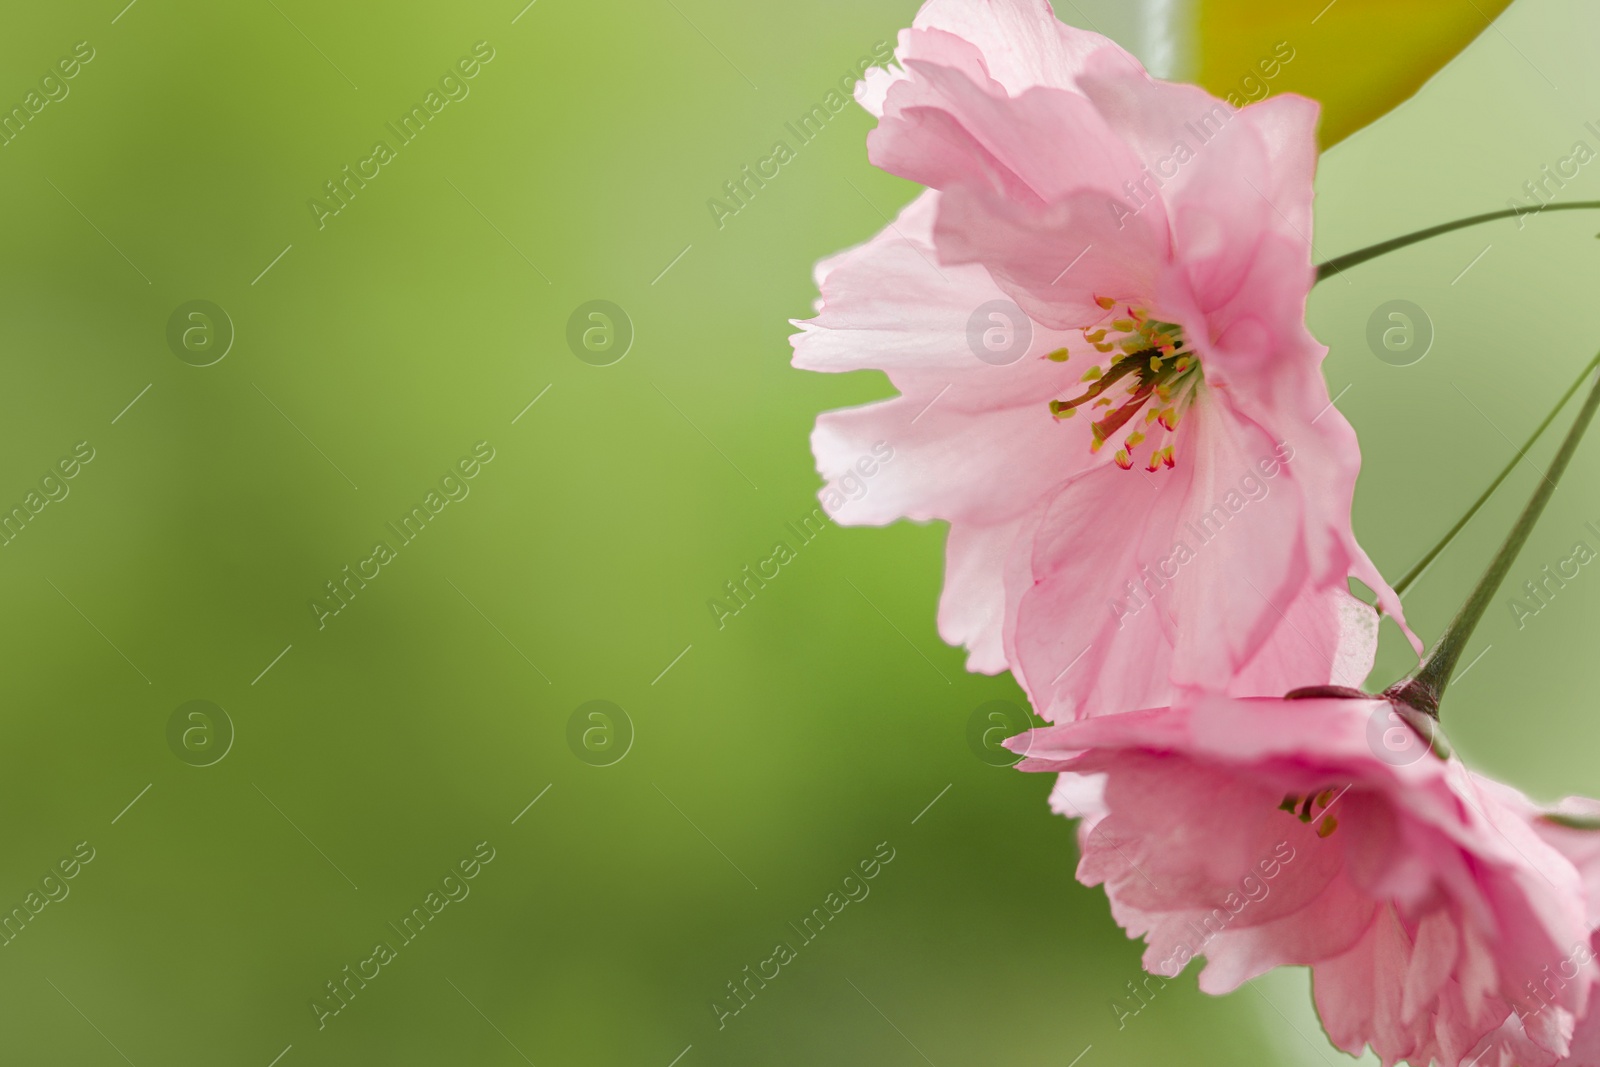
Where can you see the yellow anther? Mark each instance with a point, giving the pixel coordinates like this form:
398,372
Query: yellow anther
1150,354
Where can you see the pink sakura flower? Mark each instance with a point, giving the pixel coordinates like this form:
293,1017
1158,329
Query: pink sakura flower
1511,1046
1431,904
1573,828
1094,317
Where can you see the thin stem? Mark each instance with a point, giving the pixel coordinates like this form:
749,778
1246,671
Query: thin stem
1361,255
1424,689
1522,453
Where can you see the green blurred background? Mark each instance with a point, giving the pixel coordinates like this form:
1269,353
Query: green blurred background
767,758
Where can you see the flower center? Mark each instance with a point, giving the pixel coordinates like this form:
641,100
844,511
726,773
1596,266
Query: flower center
1308,807
1150,356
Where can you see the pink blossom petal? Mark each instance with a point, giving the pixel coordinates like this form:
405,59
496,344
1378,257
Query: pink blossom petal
889,305
943,128
1049,155
1057,259
1425,899
972,608
940,449
1021,42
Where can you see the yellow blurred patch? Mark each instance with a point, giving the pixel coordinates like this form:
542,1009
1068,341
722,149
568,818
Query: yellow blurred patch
1360,58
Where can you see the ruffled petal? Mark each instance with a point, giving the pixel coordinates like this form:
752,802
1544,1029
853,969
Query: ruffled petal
889,305
950,125
1087,638
1058,259
1055,182
973,606
972,440
1426,899
944,464
1021,44
1196,577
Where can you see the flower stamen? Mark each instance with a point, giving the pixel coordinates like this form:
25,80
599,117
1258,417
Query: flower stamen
1150,356
1306,809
